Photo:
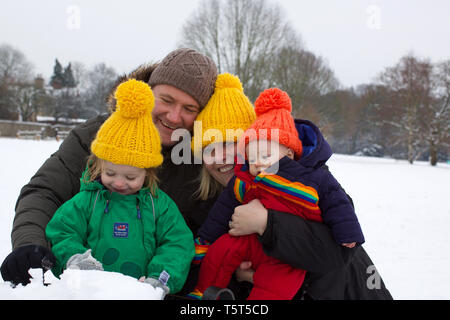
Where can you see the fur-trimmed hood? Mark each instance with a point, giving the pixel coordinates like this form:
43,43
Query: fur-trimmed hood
142,73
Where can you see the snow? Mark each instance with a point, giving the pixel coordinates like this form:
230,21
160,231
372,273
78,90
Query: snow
21,159
81,285
404,211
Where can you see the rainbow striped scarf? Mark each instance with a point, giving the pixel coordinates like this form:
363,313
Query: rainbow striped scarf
293,191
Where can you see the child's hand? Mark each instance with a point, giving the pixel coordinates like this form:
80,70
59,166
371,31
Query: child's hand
245,272
156,284
248,218
84,261
349,245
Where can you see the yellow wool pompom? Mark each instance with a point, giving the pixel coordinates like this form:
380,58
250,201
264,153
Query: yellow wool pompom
134,99
129,136
228,81
225,117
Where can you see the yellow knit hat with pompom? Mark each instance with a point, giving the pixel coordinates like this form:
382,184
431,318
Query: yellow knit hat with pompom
129,136
228,108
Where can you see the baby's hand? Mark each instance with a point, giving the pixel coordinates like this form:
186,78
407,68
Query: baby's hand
349,245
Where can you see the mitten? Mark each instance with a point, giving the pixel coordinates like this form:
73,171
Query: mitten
84,261
158,284
16,265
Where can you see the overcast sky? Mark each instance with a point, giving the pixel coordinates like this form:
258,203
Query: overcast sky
358,38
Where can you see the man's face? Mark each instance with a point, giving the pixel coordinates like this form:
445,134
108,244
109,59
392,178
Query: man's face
174,109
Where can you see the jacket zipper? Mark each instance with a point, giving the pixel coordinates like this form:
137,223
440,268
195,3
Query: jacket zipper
106,207
138,214
138,209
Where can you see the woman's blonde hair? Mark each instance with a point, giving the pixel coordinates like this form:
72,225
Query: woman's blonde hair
95,167
209,187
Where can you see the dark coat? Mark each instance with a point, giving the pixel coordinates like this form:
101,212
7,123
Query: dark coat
334,272
58,180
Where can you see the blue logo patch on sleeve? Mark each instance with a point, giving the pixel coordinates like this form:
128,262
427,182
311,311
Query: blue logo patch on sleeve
120,230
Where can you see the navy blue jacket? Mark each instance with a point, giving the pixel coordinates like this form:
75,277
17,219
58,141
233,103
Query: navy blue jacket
335,206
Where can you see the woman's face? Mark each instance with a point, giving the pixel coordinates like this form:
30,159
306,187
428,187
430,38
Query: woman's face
218,159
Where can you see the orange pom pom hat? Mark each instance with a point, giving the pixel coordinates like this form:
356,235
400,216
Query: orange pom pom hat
273,110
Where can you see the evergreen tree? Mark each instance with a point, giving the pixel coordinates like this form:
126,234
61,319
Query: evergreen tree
69,79
57,79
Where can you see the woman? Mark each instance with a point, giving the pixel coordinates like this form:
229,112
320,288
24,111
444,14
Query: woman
333,271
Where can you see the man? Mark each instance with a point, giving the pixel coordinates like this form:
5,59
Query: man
182,84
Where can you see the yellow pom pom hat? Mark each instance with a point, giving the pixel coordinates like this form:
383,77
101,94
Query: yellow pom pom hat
227,109
129,136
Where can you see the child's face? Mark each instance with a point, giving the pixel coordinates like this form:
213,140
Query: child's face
262,154
122,179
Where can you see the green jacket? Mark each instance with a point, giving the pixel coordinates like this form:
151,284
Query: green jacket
127,233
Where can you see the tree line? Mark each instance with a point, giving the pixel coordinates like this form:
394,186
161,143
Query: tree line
72,91
403,113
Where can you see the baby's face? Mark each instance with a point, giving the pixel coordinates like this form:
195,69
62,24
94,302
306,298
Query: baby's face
262,154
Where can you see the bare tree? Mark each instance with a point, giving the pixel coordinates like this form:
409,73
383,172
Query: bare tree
60,102
14,67
375,133
242,36
16,75
410,84
201,30
80,75
303,75
23,100
342,119
100,81
435,115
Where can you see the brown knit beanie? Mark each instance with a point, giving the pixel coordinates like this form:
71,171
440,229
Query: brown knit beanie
189,71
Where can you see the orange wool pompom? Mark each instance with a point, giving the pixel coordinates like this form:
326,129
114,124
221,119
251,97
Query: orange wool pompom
272,99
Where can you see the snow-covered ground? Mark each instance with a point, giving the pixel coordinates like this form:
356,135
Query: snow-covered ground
404,211
21,159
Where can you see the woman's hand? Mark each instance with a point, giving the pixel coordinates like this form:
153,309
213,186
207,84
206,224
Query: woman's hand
248,218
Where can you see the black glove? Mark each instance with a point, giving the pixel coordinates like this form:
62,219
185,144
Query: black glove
17,263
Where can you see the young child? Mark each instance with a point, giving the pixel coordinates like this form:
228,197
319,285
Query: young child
120,220
286,176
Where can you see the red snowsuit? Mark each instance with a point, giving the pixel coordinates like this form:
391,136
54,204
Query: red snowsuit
272,280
